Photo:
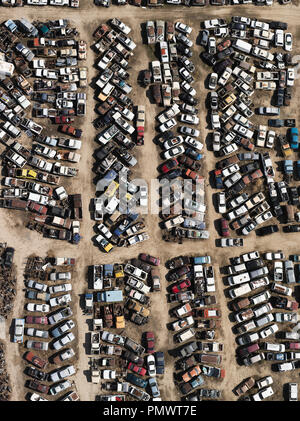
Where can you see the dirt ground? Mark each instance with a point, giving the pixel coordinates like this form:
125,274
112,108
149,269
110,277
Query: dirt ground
27,242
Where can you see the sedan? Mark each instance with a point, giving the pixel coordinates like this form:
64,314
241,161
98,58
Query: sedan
225,228
186,75
60,276
173,152
151,365
221,201
60,330
187,88
154,388
171,143
63,341
274,256
167,125
216,141
169,165
189,131
181,286
194,143
213,101
189,119
269,330
185,40
213,80
60,387
182,27
212,46
150,259
136,369
288,41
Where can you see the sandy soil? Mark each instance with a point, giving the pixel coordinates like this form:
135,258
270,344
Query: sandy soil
27,242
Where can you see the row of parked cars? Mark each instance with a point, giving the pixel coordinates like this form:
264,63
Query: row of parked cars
258,325
117,138
231,107
197,318
121,294
46,328
171,81
40,69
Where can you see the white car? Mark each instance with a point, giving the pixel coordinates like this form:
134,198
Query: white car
288,41
43,308
250,256
263,394
151,365
260,219
168,125
187,88
62,373
215,120
221,200
171,143
143,196
269,330
264,382
216,141
274,255
234,178
225,76
196,144
36,285
60,288
60,276
214,23
229,149
60,387
63,341
293,392
213,81
104,231
230,170
290,77
189,118
212,46
182,27
173,152
279,38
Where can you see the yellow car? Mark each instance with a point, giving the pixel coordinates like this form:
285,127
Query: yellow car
111,189
25,173
118,270
104,244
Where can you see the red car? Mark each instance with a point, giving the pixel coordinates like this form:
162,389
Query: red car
39,387
181,286
63,119
35,207
169,165
292,345
35,360
71,131
136,369
225,227
223,45
36,320
150,259
150,342
192,174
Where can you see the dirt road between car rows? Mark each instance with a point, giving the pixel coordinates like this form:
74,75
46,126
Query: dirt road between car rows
28,242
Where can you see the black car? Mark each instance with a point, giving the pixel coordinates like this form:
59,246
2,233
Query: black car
239,26
225,53
221,66
249,167
137,381
37,374
9,255
204,34
103,152
278,25
188,99
268,229
289,122
160,362
208,58
277,210
293,196
182,49
172,174
291,228
280,97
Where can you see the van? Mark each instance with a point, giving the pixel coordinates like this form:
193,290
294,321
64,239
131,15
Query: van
281,289
185,336
273,347
289,272
28,27
238,279
241,45
237,292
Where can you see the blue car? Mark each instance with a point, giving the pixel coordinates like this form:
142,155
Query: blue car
137,381
192,153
